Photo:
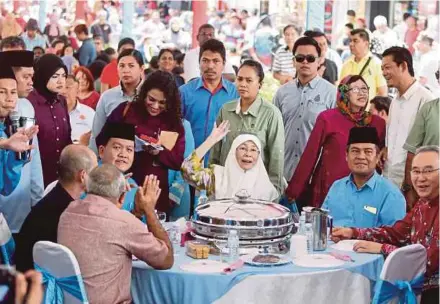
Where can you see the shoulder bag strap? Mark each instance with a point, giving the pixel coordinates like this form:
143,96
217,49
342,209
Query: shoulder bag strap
365,66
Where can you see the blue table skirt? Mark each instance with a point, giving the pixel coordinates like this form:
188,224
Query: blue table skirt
181,287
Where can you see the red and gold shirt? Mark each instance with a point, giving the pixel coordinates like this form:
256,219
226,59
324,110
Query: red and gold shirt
419,226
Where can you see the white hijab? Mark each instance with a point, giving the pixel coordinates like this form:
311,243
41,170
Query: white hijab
230,179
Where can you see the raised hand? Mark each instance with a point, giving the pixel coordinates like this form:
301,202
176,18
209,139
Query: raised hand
18,142
147,195
218,133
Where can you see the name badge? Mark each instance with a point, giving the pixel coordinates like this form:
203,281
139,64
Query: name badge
370,209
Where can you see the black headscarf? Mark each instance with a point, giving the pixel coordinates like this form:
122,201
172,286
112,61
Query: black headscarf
45,68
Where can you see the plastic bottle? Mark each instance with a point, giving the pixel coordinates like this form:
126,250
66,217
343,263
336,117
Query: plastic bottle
203,199
302,224
309,235
233,246
175,235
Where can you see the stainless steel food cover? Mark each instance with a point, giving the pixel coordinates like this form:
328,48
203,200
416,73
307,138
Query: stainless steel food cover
253,219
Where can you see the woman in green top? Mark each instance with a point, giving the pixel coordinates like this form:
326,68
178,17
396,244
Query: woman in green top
250,114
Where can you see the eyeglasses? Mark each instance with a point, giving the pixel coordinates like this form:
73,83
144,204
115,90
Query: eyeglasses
357,90
425,172
301,58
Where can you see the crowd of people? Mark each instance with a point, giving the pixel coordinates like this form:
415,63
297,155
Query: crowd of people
114,142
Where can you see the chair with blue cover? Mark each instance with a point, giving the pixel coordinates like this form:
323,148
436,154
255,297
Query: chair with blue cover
401,278
7,244
62,278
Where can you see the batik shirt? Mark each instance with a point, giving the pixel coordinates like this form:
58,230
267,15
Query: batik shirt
419,226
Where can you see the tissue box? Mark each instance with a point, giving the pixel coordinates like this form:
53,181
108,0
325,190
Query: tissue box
197,250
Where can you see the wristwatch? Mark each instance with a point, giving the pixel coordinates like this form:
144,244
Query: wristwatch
406,187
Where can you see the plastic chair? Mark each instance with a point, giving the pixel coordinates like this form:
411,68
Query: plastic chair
61,274
403,267
7,244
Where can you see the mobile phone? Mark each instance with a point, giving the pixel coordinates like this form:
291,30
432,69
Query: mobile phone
7,284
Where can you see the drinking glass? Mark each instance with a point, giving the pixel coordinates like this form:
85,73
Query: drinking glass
162,216
221,245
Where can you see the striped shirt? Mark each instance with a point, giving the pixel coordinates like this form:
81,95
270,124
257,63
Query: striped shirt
283,62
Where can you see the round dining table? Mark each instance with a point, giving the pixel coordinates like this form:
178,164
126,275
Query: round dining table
351,282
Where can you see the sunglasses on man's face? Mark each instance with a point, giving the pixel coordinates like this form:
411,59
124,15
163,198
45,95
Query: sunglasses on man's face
301,58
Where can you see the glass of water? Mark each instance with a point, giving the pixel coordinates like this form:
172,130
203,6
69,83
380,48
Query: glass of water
162,216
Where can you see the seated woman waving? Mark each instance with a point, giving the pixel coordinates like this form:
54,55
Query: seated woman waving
243,170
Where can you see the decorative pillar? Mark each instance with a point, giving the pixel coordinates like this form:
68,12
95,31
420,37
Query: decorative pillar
80,10
128,10
315,14
42,14
199,9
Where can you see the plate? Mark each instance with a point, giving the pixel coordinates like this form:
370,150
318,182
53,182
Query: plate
248,259
318,261
344,245
204,266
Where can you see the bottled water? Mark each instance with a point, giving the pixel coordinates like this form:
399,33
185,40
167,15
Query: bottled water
203,199
175,235
233,246
302,224
309,235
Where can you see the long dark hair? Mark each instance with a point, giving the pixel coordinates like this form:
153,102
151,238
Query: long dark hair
164,82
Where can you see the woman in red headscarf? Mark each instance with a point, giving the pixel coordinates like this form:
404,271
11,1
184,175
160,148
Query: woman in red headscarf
324,158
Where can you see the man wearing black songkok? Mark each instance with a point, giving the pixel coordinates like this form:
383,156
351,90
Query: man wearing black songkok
364,199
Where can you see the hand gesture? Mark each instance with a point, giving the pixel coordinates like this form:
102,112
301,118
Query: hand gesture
147,195
339,234
19,142
84,139
367,247
218,133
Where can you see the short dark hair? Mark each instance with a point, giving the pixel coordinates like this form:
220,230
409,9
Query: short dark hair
381,103
362,33
214,46
125,41
406,15
163,51
205,26
134,53
314,34
351,13
427,39
12,42
154,62
400,55
256,66
179,56
288,27
350,26
38,48
81,28
306,41
96,37
64,49
110,51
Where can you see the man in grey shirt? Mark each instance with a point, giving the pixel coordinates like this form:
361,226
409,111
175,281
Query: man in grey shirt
301,100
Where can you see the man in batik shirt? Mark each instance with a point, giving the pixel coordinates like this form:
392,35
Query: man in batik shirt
419,226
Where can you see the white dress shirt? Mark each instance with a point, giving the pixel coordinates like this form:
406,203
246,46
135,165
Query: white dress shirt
403,110
81,120
192,66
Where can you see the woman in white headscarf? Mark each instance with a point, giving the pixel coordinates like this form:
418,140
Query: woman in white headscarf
243,170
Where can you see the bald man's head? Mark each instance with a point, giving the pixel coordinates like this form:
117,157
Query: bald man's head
74,160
